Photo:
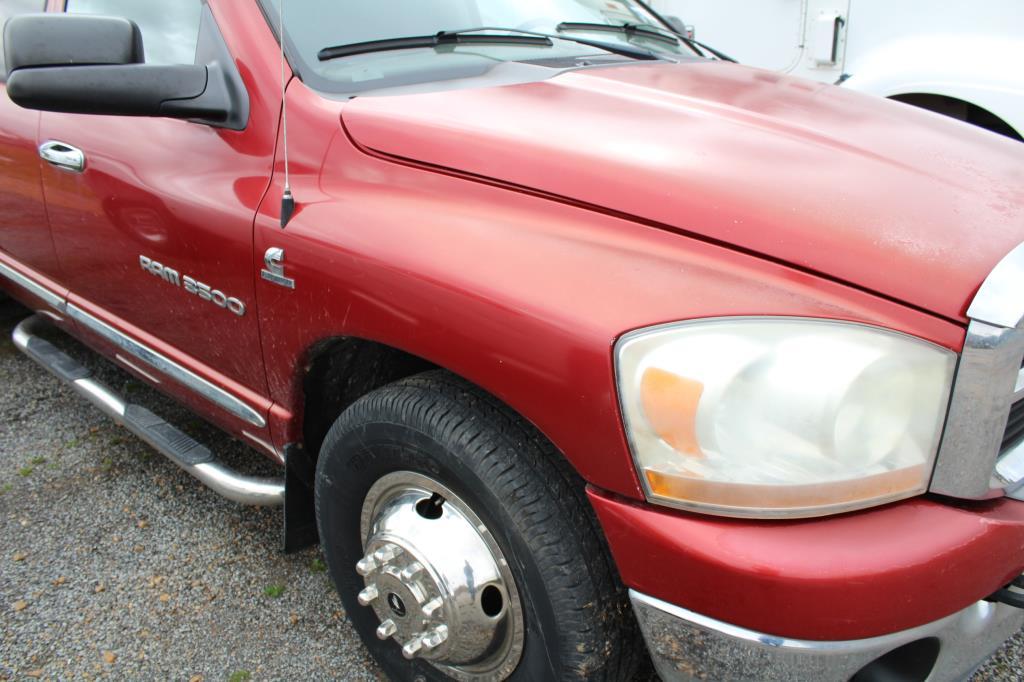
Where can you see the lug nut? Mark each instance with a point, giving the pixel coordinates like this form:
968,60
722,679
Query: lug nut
436,638
432,607
411,571
412,647
368,594
387,553
366,565
386,629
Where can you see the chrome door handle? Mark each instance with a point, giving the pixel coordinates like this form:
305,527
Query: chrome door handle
62,156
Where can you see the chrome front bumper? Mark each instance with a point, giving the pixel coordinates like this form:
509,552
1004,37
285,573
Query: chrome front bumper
688,646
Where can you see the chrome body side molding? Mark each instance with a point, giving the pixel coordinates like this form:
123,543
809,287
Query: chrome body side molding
34,288
185,452
157,361
168,367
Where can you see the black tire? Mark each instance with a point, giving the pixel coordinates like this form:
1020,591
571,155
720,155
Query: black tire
579,624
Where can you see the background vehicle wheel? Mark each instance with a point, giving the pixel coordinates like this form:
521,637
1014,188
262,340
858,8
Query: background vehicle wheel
462,545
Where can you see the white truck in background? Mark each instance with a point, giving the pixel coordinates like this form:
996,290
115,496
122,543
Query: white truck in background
962,58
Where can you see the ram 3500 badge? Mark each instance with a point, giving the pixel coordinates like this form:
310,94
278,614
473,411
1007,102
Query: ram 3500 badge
192,286
598,339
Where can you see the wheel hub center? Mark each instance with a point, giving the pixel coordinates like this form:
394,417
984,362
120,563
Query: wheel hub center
437,581
396,604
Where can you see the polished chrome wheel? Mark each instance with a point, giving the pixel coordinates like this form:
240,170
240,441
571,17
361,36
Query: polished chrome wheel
437,579
486,563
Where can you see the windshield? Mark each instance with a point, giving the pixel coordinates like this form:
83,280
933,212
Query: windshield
312,25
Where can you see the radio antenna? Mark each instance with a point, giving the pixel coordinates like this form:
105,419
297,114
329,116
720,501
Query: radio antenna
287,200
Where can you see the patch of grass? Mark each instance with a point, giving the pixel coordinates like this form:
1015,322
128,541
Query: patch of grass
7,487
37,461
240,676
25,472
107,464
317,565
273,591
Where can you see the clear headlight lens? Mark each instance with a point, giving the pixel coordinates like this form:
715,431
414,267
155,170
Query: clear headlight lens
782,417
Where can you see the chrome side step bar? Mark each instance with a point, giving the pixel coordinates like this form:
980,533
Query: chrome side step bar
192,456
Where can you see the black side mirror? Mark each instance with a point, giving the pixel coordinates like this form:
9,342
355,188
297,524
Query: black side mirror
65,40
81,64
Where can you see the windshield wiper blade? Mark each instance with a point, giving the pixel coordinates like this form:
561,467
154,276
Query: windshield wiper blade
646,31
442,39
629,30
624,50
696,43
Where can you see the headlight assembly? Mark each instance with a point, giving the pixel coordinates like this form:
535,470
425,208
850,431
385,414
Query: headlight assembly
781,417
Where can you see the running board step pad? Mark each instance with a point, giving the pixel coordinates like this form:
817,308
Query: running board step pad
179,446
189,454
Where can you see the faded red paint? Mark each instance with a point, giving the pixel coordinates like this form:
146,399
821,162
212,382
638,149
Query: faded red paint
894,200
838,578
512,234
519,293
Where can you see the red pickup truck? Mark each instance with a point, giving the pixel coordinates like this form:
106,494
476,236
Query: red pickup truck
566,332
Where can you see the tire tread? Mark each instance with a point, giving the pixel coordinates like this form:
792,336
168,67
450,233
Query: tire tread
547,500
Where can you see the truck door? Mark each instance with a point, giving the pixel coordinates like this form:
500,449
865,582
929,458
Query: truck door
153,223
24,233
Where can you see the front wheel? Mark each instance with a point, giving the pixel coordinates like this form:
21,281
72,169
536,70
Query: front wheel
462,545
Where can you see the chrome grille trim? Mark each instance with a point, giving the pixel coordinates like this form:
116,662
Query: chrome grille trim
989,379
1018,389
1000,300
1010,469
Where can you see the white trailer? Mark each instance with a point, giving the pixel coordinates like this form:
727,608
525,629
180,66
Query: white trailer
962,58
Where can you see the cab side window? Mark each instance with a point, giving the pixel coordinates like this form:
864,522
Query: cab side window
12,8
170,28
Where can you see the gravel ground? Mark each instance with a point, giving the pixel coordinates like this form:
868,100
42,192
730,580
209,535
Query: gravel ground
114,563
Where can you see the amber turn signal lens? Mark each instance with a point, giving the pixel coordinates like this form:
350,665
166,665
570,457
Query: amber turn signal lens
670,405
889,484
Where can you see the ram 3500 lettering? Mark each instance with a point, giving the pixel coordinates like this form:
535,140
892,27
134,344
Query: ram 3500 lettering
574,337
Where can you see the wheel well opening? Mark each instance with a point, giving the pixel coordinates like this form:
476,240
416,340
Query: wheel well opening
342,370
960,110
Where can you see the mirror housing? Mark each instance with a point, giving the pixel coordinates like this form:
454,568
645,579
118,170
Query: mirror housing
81,64
680,27
66,40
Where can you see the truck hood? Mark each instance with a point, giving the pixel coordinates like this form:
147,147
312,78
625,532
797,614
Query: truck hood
900,202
